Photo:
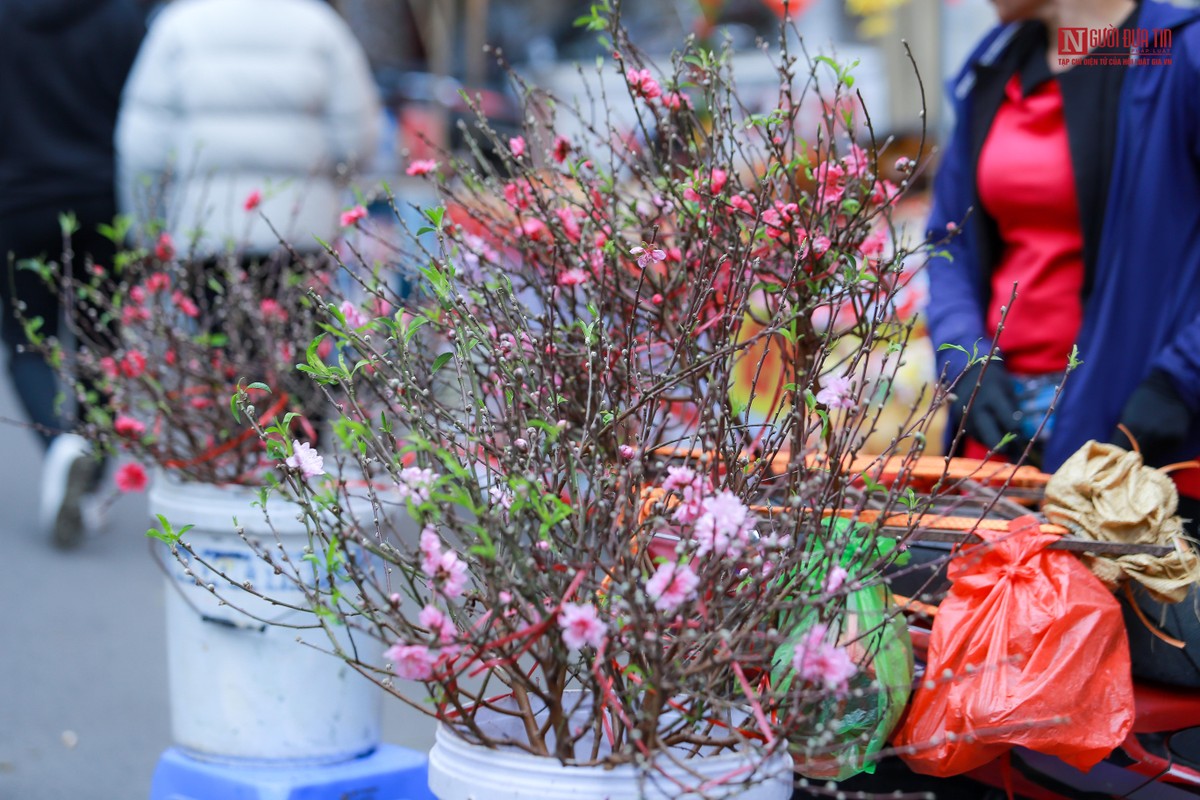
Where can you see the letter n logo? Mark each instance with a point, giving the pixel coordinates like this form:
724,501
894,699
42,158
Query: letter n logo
1072,41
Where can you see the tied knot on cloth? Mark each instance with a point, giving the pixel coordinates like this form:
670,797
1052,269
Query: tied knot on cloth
1108,494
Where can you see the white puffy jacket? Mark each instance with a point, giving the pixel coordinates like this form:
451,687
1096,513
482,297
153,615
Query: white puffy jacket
231,97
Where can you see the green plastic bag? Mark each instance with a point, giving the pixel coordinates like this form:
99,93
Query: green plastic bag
844,733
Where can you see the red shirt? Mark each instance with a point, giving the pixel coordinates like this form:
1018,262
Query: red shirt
1027,185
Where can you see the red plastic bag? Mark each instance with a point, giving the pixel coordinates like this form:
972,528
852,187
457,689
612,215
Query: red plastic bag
1037,656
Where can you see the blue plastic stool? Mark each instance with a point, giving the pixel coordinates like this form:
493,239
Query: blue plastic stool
389,773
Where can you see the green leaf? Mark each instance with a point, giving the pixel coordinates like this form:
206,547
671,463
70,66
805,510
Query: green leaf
165,533
440,361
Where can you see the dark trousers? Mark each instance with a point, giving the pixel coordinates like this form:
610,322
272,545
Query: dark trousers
31,234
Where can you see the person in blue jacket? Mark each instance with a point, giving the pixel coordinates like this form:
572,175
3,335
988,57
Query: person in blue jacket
1073,175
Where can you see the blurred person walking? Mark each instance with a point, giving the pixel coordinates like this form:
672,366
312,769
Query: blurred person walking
241,112
62,66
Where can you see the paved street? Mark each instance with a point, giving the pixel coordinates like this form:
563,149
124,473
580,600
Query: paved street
83,685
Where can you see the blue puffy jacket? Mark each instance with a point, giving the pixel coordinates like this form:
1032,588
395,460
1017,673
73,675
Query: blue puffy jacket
1143,310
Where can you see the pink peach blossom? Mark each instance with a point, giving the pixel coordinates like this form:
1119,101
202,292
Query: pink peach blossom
676,101
185,304
572,277
837,393
305,459
820,662
643,84
671,586
581,626
354,318
164,249
421,166
353,216
128,426
272,310
413,662
562,147
131,478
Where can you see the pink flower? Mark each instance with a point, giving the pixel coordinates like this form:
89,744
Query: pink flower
131,478
252,200
413,662
904,164
676,101
133,365
138,294
717,181
533,228
518,194
502,497
821,245
352,216
451,574
305,459
517,145
431,551
857,161
836,393
133,314
354,317
164,249
562,147
581,626
185,304
780,218
671,586
741,204
678,478
836,578
421,166
626,452
128,426
723,522
572,277
438,622
415,484
885,192
817,661
641,83
875,243
158,282
569,222
830,179
271,310
647,255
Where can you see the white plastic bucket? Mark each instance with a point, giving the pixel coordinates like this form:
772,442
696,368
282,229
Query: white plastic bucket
459,770
242,691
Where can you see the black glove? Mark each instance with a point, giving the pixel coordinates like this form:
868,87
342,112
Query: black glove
1156,416
994,410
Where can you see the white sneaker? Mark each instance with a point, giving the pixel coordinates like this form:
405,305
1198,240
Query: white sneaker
68,477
